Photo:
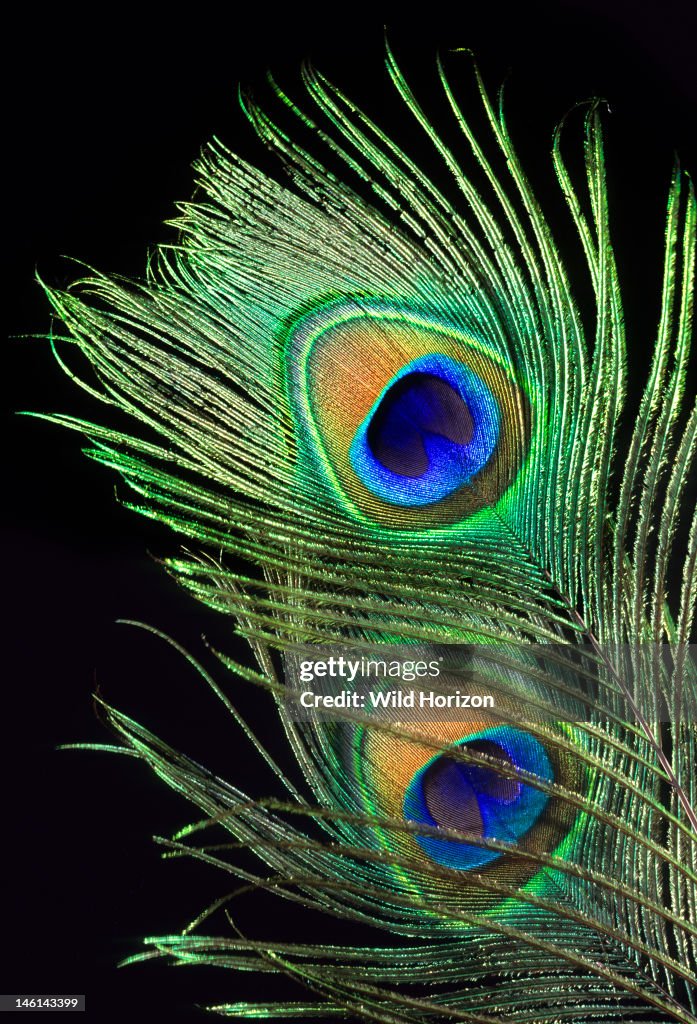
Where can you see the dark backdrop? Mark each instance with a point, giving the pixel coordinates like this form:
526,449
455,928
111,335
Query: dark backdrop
106,113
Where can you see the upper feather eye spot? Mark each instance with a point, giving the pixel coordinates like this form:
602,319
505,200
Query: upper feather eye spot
411,421
434,426
417,413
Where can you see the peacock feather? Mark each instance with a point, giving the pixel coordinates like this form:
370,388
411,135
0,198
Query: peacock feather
371,405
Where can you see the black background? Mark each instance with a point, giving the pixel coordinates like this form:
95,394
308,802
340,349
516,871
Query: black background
105,114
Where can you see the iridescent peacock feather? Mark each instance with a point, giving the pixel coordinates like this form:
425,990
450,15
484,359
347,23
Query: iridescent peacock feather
390,413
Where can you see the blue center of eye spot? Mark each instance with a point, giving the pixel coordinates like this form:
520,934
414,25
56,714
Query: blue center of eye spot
432,428
486,802
419,406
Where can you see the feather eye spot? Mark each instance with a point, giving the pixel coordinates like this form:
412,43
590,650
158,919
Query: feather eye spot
484,798
417,413
433,427
411,422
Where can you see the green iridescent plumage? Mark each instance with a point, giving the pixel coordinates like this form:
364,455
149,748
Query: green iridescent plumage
274,363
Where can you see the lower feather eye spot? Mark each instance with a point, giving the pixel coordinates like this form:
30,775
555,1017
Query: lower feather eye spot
411,422
485,798
451,798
